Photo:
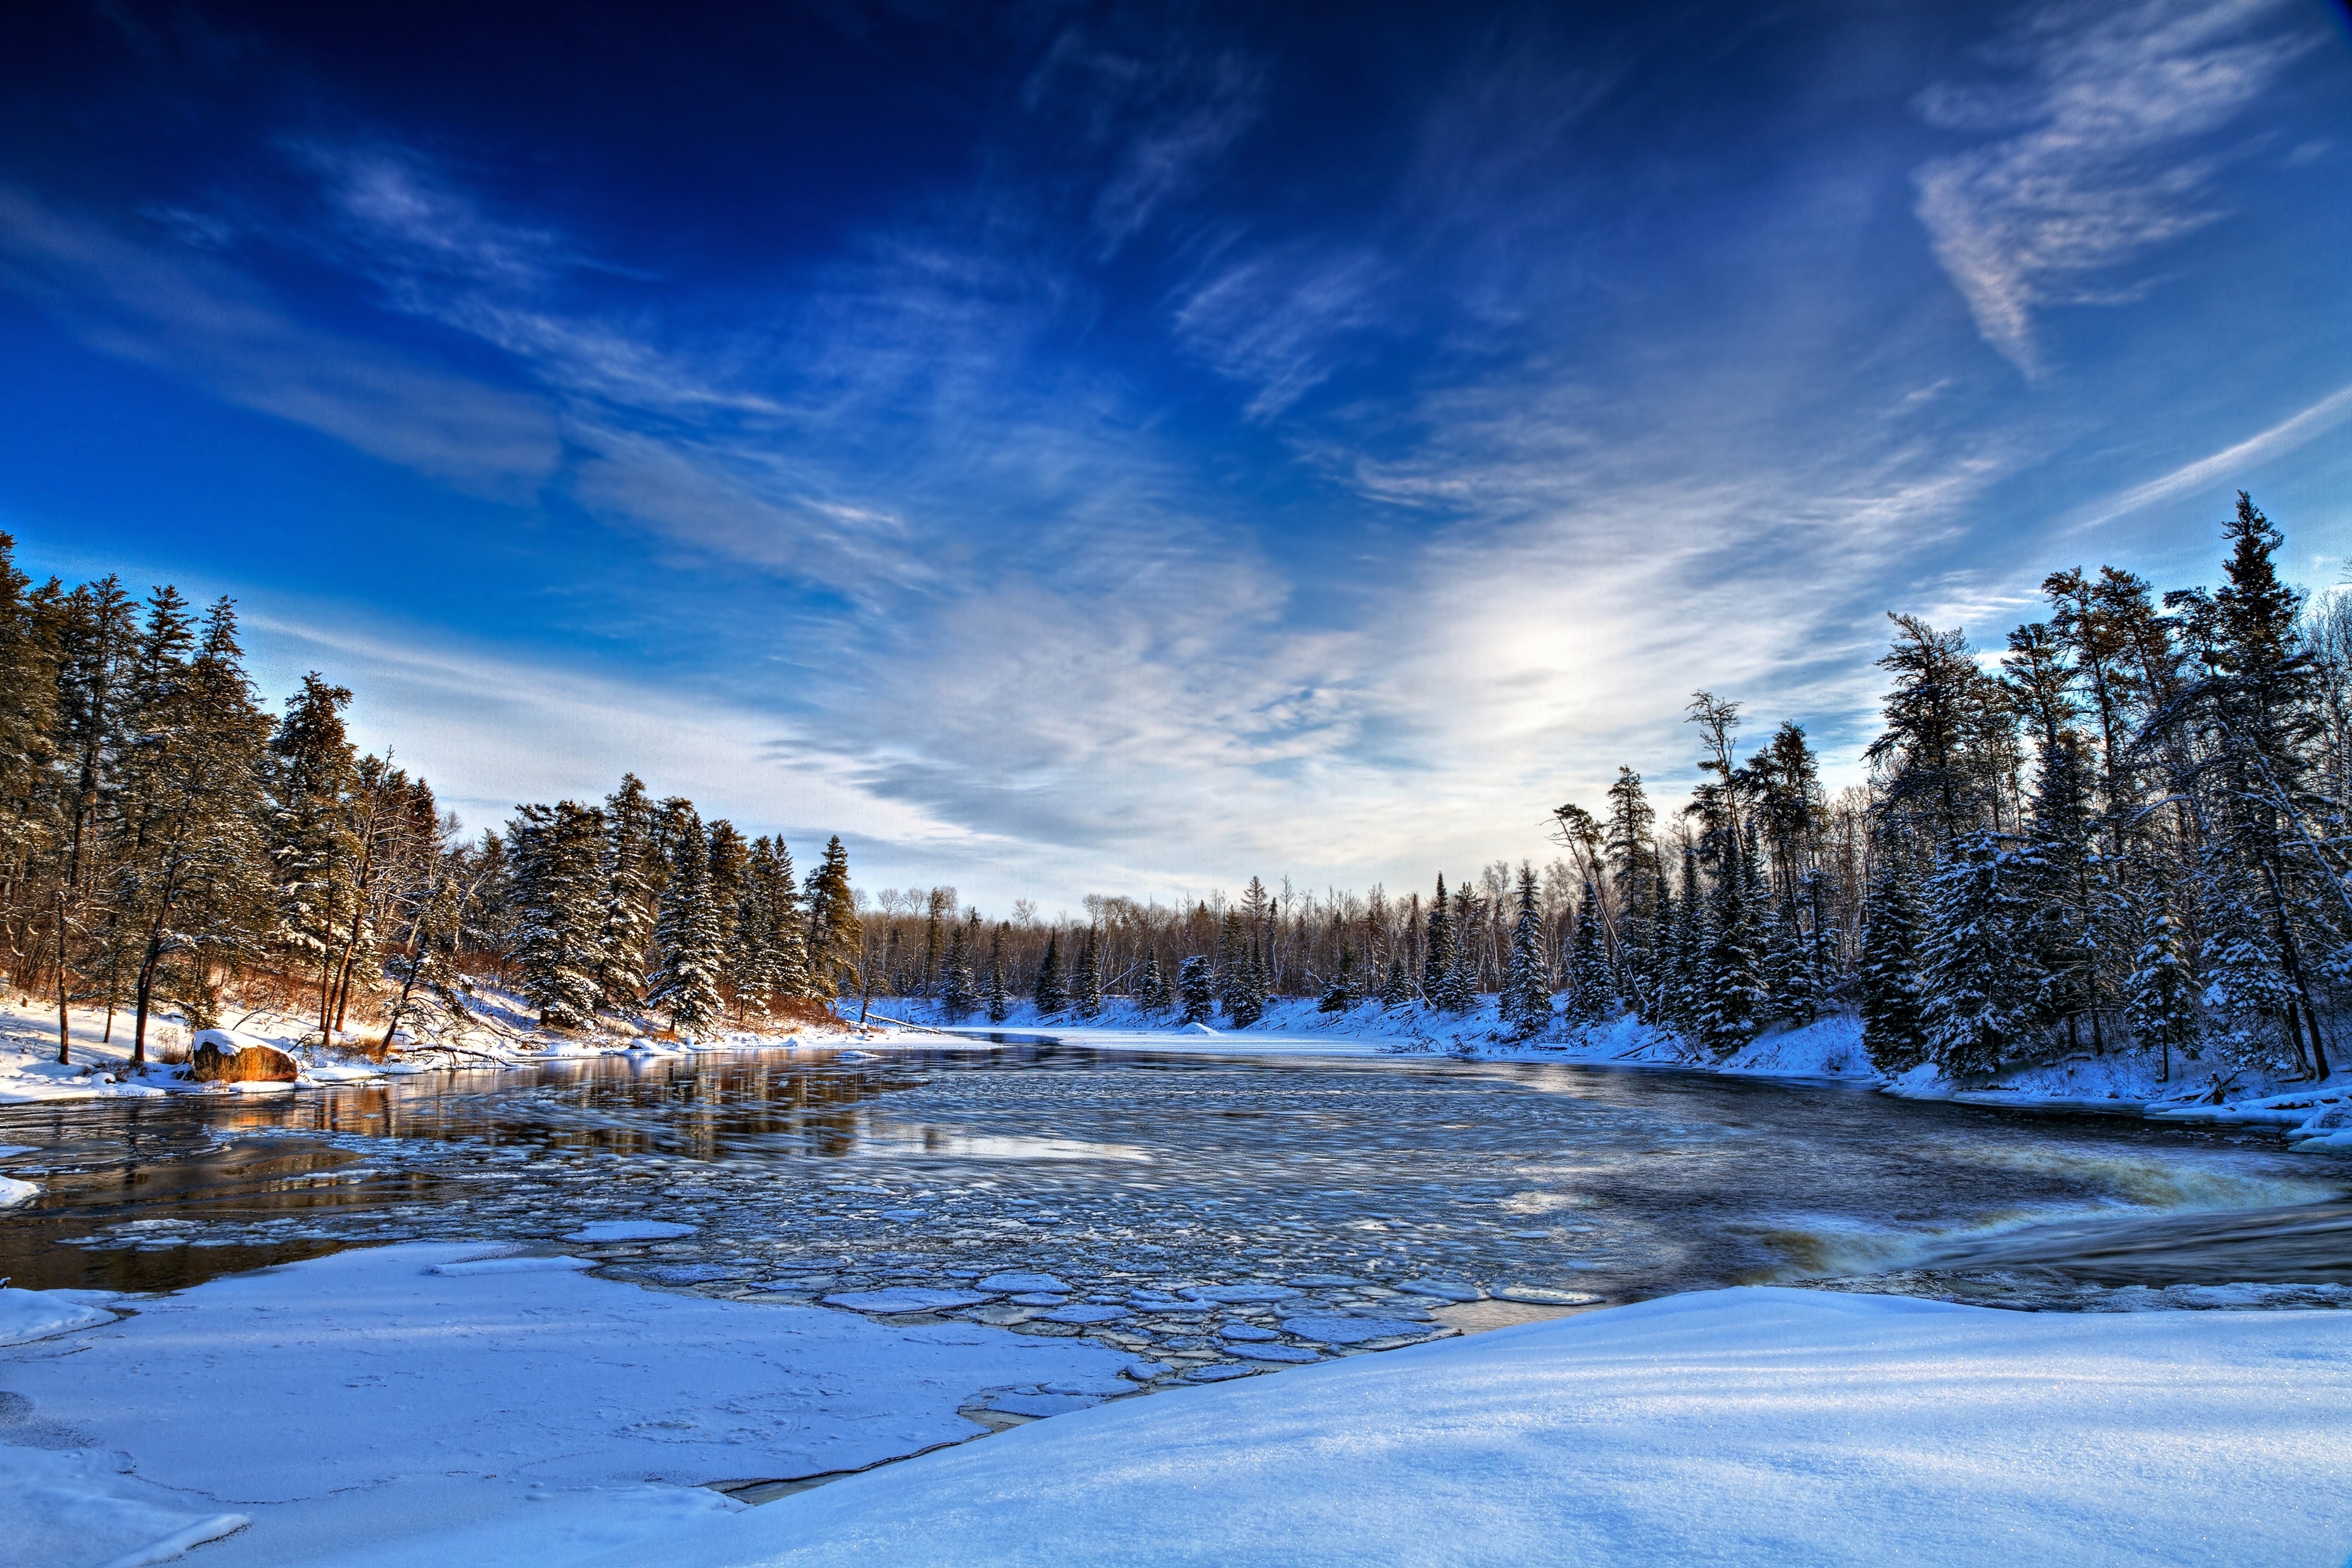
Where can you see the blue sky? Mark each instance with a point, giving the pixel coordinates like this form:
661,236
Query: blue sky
1076,449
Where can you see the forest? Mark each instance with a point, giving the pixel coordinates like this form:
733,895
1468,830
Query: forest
2128,827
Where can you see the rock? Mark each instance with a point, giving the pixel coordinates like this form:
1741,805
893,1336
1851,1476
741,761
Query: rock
238,1063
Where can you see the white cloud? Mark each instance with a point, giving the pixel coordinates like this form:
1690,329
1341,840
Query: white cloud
2229,466
2097,169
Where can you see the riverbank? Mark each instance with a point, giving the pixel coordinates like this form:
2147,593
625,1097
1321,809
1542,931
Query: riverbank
413,1407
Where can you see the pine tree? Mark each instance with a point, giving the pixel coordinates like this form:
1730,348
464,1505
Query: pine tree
313,841
2160,998
557,854
1048,993
1086,990
1342,992
1683,981
689,947
1732,1007
629,900
1589,990
1438,954
1983,984
835,933
1153,991
1245,988
1889,987
1396,991
1527,986
1196,988
999,998
955,981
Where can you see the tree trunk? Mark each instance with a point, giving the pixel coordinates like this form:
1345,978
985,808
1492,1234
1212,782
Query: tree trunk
64,1023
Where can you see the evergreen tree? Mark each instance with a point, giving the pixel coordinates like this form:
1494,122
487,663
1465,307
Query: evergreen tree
999,997
1683,981
835,933
1245,988
557,855
2160,998
1153,991
955,982
1733,1006
1889,987
1638,879
1086,989
1589,990
1047,992
629,900
1196,989
1983,986
1526,1002
1396,990
1438,954
690,948
313,841
730,868
1342,992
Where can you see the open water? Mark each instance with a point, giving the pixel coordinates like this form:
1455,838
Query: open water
1145,1185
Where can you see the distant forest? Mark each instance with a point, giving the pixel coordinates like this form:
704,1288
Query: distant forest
2132,828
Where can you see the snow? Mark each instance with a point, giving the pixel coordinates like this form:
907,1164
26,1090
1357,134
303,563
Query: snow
1746,1426
14,1192
629,1230
524,1264
359,1398
74,1507
27,1315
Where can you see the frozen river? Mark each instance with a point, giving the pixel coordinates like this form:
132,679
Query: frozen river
1187,1208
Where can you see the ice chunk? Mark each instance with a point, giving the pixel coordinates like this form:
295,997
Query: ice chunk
695,1273
1243,1294
906,1299
37,1314
1037,1298
630,1230
1323,1282
1020,1281
77,1506
1445,1290
1277,1353
1084,1312
1245,1332
510,1265
1545,1296
14,1192
1220,1374
1352,1330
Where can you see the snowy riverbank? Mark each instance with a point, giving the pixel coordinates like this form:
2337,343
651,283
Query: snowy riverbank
392,1408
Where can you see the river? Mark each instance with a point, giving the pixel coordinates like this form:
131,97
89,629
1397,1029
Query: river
1136,1177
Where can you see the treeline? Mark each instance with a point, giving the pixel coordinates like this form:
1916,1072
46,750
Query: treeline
165,843
2133,827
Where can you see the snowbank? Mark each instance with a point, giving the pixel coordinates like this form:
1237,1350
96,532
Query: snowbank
361,1399
37,1314
1757,1426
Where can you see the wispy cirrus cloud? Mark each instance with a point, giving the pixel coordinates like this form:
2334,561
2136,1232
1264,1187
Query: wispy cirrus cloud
2096,163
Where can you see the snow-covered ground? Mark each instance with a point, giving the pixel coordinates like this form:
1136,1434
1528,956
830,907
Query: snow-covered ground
1738,1426
367,1411
439,1405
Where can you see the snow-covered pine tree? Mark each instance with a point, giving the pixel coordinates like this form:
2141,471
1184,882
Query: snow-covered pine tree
997,995
1048,993
2246,985
689,949
1526,983
1342,992
956,997
1086,980
1734,1003
1245,988
1196,989
314,838
1889,988
1437,953
2160,998
834,932
763,957
730,868
1983,984
1788,977
1589,990
628,895
1153,991
557,856
1684,982
1396,990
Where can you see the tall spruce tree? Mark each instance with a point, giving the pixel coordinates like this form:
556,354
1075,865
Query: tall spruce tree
1983,984
1048,992
1153,991
1889,988
629,899
690,945
2160,998
834,932
1086,979
1589,990
1526,983
1196,989
557,873
1437,952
